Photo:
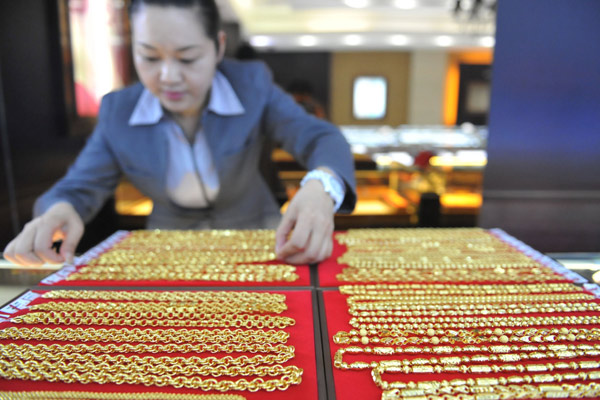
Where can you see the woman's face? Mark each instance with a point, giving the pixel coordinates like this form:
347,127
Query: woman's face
174,58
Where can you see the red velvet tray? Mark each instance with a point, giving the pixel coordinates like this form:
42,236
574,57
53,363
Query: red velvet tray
358,384
330,268
299,304
59,278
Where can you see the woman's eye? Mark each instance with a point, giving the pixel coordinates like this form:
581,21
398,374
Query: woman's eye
150,59
187,60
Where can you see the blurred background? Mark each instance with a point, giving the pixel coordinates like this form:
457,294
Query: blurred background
459,112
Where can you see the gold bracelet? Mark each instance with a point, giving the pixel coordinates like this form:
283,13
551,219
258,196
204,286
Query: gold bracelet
504,336
527,391
180,296
30,370
479,309
55,353
167,308
506,353
466,289
147,335
433,387
189,258
388,302
492,275
154,319
56,395
412,323
284,352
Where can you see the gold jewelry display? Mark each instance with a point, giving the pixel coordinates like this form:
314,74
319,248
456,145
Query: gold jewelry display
174,296
172,310
137,335
154,319
56,395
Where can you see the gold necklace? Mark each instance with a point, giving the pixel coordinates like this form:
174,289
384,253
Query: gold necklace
154,319
146,335
177,310
174,296
57,395
68,372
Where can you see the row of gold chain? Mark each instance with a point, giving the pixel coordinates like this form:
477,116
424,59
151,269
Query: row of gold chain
154,357
60,395
188,271
435,255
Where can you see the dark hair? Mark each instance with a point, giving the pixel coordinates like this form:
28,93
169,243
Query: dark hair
208,12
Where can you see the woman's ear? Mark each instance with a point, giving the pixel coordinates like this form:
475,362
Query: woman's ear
222,39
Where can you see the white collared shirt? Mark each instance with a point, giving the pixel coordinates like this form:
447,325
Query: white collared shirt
192,179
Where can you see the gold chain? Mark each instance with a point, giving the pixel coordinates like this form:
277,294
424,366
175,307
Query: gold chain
244,273
54,354
145,319
435,386
388,302
284,352
167,308
147,335
501,352
56,395
436,275
67,372
404,323
542,391
478,309
212,296
446,289
469,337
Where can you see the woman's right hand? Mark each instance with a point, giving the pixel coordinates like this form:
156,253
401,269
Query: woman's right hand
33,246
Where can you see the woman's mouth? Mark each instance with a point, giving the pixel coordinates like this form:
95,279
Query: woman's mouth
173,95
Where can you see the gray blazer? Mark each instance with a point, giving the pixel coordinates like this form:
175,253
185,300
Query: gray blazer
244,201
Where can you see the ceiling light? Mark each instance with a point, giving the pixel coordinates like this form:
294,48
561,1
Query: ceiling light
405,4
444,41
357,3
261,41
399,40
307,40
353,40
487,41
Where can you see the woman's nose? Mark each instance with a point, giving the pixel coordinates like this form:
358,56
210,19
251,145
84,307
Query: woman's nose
170,71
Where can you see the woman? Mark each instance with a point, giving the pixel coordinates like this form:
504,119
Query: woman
189,136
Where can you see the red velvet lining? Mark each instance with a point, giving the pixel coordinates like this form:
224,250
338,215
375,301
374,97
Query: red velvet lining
299,304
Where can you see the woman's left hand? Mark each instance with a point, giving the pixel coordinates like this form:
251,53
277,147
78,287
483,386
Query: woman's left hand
304,235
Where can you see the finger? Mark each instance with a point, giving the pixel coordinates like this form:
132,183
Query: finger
298,240
73,232
284,228
9,252
23,247
42,245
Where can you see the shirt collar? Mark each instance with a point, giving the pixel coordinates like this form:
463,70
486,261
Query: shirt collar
223,101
